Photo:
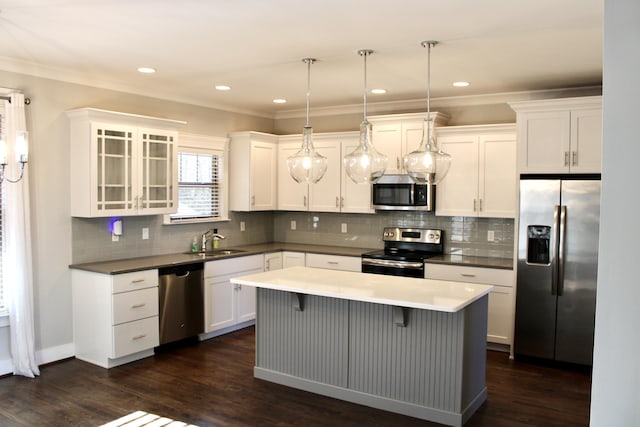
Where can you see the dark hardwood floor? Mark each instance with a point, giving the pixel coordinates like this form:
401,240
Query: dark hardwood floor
211,384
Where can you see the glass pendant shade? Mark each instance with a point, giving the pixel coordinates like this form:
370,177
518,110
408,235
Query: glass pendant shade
365,165
307,166
427,164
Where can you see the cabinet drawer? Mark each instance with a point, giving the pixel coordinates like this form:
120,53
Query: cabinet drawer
132,337
233,265
134,305
133,281
455,273
334,262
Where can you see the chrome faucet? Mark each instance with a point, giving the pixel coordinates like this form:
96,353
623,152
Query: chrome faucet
208,235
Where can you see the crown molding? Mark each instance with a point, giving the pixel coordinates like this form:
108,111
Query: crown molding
444,102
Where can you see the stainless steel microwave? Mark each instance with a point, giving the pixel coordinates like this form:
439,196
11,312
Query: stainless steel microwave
400,192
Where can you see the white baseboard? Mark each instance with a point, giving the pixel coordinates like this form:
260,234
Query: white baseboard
44,356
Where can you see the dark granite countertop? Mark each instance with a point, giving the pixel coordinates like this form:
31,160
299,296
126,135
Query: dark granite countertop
159,261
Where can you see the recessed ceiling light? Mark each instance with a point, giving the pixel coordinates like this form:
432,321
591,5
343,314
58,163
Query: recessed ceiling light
378,91
279,101
223,87
146,70
461,84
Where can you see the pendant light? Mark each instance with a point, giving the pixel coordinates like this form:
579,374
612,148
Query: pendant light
307,166
428,164
365,165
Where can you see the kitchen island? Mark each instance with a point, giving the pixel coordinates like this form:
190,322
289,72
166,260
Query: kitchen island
411,346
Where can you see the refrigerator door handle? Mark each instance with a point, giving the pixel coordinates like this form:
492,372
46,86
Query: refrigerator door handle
561,243
554,254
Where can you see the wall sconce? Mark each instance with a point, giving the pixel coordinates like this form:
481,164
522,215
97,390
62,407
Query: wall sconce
21,151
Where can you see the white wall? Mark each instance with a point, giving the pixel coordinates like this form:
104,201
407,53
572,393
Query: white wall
616,367
49,185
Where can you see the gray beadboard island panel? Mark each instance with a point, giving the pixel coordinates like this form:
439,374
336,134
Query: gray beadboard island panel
310,343
433,368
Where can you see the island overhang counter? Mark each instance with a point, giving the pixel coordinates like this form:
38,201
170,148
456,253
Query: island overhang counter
411,346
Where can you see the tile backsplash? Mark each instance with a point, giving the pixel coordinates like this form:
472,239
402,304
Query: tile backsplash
463,235
91,239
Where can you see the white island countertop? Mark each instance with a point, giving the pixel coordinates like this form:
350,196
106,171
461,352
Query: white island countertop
427,294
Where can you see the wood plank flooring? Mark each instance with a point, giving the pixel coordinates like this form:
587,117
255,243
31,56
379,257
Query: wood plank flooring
211,384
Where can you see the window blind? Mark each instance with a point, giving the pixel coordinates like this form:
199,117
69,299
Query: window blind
199,190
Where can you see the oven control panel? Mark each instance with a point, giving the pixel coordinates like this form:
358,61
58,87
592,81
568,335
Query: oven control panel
414,235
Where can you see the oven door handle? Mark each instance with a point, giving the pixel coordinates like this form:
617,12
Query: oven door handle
390,263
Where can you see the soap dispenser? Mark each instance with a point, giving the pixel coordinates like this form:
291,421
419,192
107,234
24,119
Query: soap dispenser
216,239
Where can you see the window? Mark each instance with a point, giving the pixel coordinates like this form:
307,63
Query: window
201,180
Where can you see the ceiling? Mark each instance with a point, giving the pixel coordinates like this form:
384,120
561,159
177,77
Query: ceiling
257,46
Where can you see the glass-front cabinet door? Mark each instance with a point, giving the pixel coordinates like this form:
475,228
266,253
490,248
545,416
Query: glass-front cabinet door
158,156
115,169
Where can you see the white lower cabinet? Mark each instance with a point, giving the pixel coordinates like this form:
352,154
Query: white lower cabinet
273,261
226,304
334,262
293,259
115,317
501,308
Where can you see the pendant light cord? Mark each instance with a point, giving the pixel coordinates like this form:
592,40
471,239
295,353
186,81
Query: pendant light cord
365,53
428,44
309,61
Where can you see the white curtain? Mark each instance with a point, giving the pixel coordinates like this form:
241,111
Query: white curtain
18,276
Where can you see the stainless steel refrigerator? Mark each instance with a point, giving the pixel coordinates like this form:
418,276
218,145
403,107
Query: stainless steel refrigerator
557,268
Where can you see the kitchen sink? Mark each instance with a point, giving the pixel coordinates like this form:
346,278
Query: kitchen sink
215,253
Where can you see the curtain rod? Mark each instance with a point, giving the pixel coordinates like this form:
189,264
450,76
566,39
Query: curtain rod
27,101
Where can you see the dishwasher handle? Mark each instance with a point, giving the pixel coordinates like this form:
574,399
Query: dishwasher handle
180,270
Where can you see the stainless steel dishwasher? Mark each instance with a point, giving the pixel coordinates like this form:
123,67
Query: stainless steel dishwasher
181,302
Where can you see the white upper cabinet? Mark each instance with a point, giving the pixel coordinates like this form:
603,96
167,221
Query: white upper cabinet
560,135
482,179
398,134
335,192
253,171
122,164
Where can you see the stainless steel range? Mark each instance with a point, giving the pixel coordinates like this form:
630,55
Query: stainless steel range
405,250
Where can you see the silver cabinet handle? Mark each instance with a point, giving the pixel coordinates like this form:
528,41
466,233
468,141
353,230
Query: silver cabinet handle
574,158
253,200
566,158
342,202
397,162
333,262
474,205
479,205
467,275
138,305
337,202
134,281
304,201
139,337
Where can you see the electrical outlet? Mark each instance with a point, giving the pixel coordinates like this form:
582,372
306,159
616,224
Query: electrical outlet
293,224
242,227
145,233
343,228
490,236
